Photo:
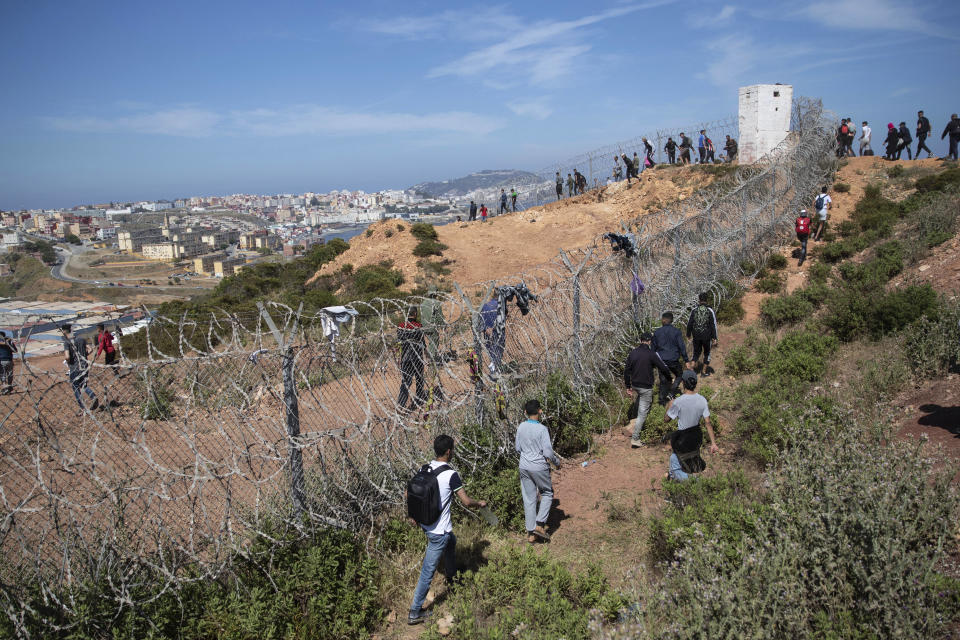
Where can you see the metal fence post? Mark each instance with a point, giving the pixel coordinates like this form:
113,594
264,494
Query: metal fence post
577,339
475,321
743,218
298,493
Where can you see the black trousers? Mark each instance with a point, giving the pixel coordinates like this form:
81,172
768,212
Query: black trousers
803,237
559,192
669,384
703,153
410,369
905,147
922,144
672,156
953,147
701,345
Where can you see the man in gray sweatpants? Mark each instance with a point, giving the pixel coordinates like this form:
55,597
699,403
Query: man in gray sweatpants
536,454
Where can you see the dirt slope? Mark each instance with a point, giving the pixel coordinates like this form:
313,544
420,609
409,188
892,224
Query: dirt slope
514,242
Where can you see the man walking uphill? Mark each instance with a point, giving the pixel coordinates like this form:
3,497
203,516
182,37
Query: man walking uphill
429,496
76,351
536,454
669,344
923,130
953,129
638,379
503,202
702,145
702,328
671,149
905,140
473,212
559,186
7,348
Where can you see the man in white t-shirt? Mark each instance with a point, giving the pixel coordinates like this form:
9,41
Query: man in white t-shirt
440,539
822,204
865,133
688,410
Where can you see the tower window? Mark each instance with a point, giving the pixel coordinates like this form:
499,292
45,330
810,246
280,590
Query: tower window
776,94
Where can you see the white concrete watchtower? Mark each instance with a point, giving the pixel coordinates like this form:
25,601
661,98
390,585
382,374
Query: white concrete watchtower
764,119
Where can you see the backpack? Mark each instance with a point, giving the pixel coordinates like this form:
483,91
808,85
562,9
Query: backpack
803,226
423,495
700,320
821,202
844,130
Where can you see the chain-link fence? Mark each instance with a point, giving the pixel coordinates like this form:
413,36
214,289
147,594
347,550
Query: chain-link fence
210,428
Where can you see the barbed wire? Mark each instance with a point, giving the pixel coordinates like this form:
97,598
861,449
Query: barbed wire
227,423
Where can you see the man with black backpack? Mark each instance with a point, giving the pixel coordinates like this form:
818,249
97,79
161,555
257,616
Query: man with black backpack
76,351
429,496
702,328
803,234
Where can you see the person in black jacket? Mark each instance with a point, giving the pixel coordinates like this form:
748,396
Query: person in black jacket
892,141
952,128
473,212
702,328
905,141
671,149
638,379
412,345
669,344
923,130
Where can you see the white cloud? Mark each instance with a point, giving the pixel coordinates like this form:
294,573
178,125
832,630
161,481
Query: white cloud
884,15
701,21
537,109
303,120
730,58
473,25
531,51
321,120
187,122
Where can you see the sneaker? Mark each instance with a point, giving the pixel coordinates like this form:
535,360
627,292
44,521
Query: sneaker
635,444
95,405
417,618
532,539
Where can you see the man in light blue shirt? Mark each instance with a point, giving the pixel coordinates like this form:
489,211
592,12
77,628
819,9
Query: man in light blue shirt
702,145
536,453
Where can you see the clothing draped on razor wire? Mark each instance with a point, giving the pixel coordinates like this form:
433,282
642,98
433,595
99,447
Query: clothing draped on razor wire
636,285
622,242
330,320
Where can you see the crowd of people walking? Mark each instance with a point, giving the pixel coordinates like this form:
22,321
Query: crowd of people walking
898,138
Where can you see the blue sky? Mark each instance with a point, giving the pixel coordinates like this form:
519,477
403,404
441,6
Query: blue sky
135,100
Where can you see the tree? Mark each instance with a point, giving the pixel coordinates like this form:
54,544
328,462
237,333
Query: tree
314,201
73,239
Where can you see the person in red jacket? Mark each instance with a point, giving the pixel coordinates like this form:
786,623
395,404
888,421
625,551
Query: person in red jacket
483,212
803,233
105,346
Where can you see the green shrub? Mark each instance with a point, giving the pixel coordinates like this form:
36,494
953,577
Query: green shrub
801,355
895,171
934,344
655,426
423,231
819,272
429,247
281,586
723,505
874,212
369,233
815,293
841,187
525,594
782,310
401,228
157,396
855,313
388,233
573,420
770,283
730,311
776,261
939,181
745,359
849,516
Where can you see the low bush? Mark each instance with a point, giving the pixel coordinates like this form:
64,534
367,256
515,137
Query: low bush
855,313
423,231
819,272
281,586
747,358
895,171
841,187
939,181
801,355
849,516
525,594
724,505
933,345
429,247
770,283
874,212
783,310
572,419
776,261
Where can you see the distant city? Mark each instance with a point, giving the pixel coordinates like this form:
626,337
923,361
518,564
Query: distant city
215,231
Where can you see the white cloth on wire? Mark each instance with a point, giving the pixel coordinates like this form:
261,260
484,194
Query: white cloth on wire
330,320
